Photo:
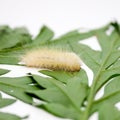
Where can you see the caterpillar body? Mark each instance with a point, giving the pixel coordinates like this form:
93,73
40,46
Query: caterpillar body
52,59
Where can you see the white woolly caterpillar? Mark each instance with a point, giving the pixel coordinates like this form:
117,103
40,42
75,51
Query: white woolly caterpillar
52,59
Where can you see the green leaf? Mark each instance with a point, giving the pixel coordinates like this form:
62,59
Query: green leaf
111,94
112,88
20,41
108,112
61,111
44,36
8,116
17,87
11,56
69,94
5,101
104,64
15,42
11,44
66,94
109,49
70,37
10,38
3,71
64,76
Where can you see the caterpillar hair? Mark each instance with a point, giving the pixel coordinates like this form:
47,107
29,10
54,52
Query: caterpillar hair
52,59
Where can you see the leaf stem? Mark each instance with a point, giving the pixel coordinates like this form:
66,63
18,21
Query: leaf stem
91,97
92,90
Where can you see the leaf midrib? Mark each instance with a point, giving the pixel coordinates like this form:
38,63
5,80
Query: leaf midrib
73,104
107,96
96,78
12,85
91,57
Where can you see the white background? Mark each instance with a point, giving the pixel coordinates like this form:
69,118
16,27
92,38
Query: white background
61,16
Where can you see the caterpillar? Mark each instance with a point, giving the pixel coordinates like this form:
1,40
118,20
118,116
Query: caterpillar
52,59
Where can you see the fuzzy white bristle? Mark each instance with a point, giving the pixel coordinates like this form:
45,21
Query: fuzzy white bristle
52,59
